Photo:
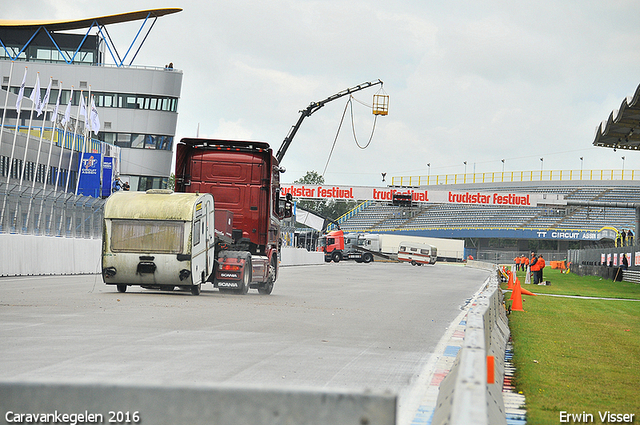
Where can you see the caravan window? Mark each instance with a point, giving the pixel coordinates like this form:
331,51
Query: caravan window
163,237
424,251
196,233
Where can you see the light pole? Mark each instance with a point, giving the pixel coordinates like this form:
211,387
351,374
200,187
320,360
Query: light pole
623,167
581,163
428,173
465,171
502,166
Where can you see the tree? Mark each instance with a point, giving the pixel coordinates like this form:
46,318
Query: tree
332,208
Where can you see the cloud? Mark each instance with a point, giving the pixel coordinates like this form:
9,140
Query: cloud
468,81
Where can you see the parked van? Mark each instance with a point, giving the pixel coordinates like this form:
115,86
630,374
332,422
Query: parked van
417,253
158,239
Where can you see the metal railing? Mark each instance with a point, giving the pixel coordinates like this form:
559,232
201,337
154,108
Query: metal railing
49,213
517,176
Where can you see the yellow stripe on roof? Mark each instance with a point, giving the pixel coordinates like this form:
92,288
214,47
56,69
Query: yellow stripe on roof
86,23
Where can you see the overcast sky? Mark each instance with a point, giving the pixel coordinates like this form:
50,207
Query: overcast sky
474,81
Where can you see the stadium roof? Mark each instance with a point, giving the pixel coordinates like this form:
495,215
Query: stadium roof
88,22
622,129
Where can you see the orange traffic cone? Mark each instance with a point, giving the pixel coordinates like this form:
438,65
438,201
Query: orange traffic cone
510,282
524,291
516,296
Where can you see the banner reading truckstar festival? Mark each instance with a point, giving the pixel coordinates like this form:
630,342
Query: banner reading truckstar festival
362,193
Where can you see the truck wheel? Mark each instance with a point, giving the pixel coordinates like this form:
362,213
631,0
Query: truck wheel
367,258
195,289
267,287
413,262
336,257
246,279
121,287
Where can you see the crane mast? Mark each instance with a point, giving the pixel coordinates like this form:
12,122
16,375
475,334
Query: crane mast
313,107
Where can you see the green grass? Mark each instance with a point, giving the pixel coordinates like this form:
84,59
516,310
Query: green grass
577,355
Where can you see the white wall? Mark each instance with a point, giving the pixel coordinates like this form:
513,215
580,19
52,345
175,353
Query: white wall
23,255
299,256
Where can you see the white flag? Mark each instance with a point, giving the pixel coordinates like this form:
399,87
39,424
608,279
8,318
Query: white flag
67,112
35,96
54,116
45,99
83,111
21,92
94,118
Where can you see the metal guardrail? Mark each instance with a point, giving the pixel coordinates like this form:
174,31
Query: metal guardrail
516,176
49,213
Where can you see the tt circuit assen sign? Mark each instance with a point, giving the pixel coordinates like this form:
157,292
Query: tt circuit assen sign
363,193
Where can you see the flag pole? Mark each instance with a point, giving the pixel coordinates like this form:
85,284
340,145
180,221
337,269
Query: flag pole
64,122
54,121
75,131
15,135
84,139
4,116
43,110
35,99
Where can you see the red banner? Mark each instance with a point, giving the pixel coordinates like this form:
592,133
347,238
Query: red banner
361,193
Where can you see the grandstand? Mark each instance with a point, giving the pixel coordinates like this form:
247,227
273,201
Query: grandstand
520,229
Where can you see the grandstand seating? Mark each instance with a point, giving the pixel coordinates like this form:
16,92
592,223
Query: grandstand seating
382,216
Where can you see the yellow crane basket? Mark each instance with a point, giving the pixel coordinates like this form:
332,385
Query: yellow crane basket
380,103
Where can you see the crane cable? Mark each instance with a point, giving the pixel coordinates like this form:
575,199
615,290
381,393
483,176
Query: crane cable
349,103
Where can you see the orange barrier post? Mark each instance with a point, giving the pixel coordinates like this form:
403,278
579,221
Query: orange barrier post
491,374
516,305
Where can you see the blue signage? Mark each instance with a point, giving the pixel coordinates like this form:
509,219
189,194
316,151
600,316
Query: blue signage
89,183
559,234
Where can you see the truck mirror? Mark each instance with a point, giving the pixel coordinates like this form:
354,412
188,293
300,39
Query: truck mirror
288,206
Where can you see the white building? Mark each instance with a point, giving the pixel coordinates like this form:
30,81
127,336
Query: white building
137,105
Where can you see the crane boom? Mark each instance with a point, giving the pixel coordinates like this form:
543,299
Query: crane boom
313,107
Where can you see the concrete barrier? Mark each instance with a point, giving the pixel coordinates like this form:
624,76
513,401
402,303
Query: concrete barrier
466,396
25,255
29,255
170,405
290,256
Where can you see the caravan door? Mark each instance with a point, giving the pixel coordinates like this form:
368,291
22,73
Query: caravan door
202,244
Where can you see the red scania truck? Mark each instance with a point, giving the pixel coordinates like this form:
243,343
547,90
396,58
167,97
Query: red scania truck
244,179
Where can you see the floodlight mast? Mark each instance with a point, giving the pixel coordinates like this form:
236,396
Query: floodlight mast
313,107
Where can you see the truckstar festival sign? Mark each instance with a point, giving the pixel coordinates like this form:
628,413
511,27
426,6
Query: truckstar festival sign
362,193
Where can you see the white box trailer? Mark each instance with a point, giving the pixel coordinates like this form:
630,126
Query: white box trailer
158,239
448,249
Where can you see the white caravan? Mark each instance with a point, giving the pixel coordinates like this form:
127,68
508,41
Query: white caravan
417,253
158,239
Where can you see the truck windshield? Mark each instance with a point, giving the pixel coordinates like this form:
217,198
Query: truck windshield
158,236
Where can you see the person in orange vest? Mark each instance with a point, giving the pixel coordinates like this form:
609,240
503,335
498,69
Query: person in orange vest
525,262
541,264
533,264
517,261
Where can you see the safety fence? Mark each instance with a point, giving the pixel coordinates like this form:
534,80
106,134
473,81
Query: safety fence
471,393
516,176
46,212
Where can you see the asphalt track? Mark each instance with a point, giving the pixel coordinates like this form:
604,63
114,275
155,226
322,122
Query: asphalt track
332,326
